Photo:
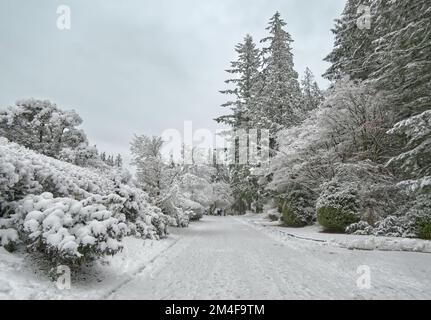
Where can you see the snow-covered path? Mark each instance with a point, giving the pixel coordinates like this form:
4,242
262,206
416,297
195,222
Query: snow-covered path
225,258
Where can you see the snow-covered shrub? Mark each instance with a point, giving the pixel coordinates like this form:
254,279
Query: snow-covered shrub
159,221
43,127
292,217
377,191
192,209
391,226
182,218
413,217
24,172
415,223
298,208
16,177
364,188
81,155
9,237
424,227
67,230
335,219
338,206
177,216
136,208
360,228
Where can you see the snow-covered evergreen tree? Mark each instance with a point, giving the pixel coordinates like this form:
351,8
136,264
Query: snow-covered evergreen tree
82,155
245,87
413,166
119,161
278,100
312,96
414,161
401,56
353,43
244,188
393,53
246,76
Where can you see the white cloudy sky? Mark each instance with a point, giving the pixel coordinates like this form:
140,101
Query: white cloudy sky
140,66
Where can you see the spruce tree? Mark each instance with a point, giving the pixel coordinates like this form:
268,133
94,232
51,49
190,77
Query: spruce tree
353,44
119,161
246,72
402,55
277,103
244,89
311,94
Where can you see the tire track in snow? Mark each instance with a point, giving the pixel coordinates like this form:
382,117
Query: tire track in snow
107,296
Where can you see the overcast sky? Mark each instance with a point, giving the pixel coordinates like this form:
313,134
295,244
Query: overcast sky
140,66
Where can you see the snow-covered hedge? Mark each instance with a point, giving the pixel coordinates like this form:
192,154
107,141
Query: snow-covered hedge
68,201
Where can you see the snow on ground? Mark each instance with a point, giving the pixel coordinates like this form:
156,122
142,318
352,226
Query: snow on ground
226,258
314,233
231,258
22,278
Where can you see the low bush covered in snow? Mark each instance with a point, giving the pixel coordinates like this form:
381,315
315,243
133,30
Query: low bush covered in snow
9,238
67,230
68,212
425,229
180,218
359,192
298,206
412,220
337,206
